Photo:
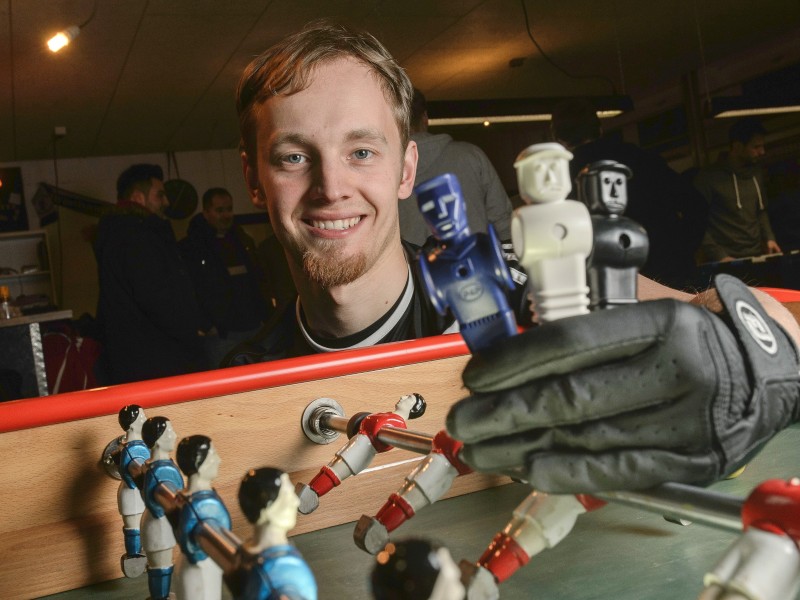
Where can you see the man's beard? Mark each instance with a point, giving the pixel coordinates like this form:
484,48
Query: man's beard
326,266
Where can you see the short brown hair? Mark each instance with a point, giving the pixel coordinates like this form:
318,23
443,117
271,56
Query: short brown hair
286,67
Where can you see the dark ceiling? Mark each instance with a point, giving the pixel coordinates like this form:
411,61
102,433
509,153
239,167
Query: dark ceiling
159,75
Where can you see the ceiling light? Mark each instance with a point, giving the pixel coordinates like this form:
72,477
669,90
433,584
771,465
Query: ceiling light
65,36
743,106
62,38
514,110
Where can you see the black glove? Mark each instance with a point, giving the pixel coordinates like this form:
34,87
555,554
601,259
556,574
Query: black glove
631,397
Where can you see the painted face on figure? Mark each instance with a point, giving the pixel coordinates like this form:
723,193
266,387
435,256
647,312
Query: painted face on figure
330,168
543,173
614,191
219,213
167,439
282,513
210,467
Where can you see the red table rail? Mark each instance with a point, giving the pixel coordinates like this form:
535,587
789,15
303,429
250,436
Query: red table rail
61,408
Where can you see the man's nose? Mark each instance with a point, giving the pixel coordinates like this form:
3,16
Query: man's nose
332,179
614,193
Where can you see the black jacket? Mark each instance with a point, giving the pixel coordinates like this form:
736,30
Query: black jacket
231,302
147,307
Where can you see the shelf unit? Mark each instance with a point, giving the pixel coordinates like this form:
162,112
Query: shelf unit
25,264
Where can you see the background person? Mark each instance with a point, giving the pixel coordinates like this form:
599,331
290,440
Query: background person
484,196
151,322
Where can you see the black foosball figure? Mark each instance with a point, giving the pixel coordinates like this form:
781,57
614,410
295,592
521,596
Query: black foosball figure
620,244
416,569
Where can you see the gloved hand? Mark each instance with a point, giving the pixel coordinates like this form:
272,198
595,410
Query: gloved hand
631,397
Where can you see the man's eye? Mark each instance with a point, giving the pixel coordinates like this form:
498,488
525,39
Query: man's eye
294,159
362,153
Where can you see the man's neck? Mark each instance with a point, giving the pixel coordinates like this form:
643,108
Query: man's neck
345,310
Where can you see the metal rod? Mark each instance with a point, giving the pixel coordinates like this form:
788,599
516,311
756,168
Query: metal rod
221,545
687,502
670,499
333,422
404,439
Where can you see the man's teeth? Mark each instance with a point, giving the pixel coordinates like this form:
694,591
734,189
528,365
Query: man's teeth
337,224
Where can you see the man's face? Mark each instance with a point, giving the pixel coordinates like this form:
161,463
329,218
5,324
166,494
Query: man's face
219,213
754,150
330,169
156,199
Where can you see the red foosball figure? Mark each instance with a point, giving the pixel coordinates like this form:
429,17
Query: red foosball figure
358,453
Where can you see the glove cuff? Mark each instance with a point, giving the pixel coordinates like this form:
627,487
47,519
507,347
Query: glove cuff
772,354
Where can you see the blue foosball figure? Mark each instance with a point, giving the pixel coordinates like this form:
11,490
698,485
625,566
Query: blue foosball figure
158,538
198,576
465,273
129,498
273,567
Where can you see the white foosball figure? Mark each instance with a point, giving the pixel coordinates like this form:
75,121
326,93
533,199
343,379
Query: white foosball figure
158,538
197,576
359,451
552,236
129,498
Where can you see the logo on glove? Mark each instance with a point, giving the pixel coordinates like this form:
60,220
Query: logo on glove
756,327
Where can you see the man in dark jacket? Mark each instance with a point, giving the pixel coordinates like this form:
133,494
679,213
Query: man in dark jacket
223,266
151,321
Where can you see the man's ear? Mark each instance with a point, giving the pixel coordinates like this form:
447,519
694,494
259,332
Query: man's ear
409,171
251,180
138,197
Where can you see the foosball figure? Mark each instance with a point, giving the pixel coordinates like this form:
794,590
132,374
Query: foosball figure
552,236
465,273
539,522
198,577
426,484
764,563
359,451
158,538
416,569
272,567
129,498
620,244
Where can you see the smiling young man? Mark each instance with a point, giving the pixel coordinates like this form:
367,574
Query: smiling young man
324,117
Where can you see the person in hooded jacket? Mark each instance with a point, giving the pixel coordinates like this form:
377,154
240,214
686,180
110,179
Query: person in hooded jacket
484,195
151,322
738,221
227,277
